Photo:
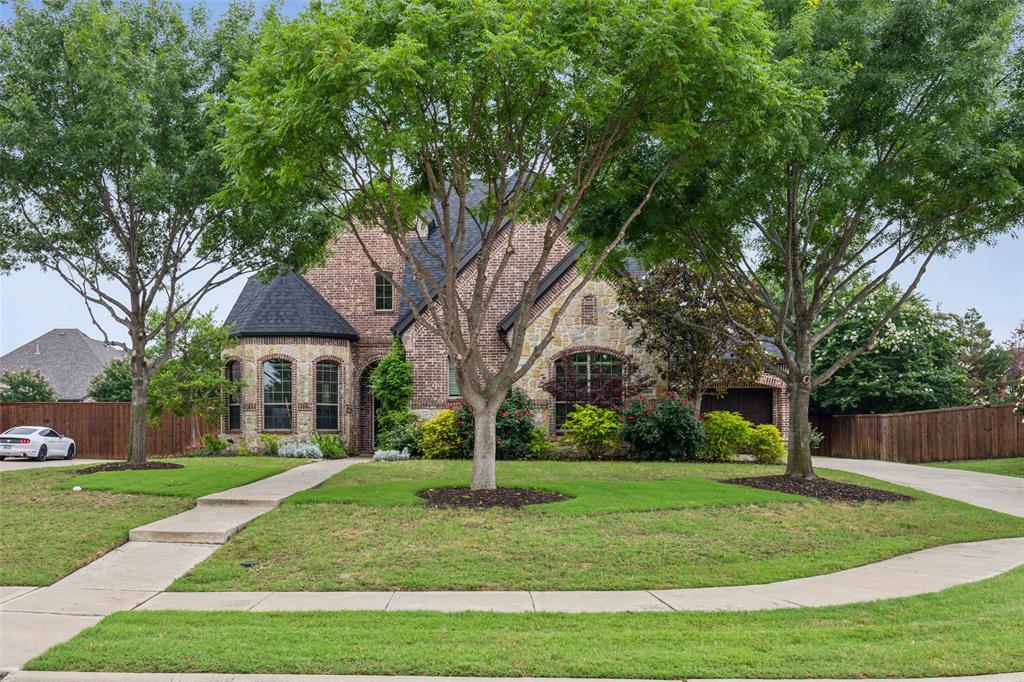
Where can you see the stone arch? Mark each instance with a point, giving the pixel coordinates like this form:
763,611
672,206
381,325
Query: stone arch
552,403
363,426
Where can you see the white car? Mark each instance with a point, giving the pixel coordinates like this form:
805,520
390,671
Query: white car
35,442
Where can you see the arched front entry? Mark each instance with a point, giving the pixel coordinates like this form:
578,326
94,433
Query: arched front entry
366,422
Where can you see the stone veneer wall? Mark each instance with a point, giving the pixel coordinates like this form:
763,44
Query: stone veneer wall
303,353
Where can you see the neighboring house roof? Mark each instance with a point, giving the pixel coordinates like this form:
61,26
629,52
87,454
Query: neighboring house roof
288,305
67,358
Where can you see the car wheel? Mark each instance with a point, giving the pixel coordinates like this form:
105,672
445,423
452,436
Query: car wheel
41,457
70,453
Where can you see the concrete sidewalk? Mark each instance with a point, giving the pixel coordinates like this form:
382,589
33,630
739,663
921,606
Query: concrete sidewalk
928,570
991,491
34,619
27,676
23,464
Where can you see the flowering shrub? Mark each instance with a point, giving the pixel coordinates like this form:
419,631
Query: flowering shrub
513,431
592,429
727,435
766,445
439,439
391,455
305,450
661,429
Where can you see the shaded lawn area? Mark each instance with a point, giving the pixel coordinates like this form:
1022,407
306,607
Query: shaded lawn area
630,526
967,630
200,476
48,531
1009,466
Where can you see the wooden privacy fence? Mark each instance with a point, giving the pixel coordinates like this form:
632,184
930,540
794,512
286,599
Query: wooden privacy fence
100,430
926,436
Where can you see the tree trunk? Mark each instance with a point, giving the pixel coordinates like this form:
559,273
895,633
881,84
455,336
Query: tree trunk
485,420
698,395
798,464
140,403
193,425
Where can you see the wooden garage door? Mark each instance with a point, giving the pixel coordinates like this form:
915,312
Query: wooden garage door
755,404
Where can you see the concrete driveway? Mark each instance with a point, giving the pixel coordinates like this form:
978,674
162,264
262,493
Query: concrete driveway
19,464
991,491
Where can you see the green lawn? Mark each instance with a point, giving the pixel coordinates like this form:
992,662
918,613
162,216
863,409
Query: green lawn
630,526
1009,466
48,531
200,476
972,629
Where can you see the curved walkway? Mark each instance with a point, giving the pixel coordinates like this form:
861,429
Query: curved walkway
929,570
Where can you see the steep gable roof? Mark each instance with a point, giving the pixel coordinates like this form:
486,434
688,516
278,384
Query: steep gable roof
67,358
288,305
432,256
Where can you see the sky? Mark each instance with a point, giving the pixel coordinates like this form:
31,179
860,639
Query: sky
991,279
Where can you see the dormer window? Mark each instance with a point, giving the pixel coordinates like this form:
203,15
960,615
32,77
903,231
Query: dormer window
383,294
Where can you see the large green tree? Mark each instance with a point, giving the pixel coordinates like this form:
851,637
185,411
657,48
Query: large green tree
192,382
108,168
911,148
684,317
986,363
388,110
914,364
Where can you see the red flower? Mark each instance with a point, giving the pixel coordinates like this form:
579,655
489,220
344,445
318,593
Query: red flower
504,414
631,418
650,412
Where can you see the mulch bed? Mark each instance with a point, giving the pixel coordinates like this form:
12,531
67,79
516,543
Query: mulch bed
821,488
482,499
125,466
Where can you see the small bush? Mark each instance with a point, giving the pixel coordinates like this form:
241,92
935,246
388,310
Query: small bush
213,445
440,438
766,445
540,446
268,444
331,445
303,450
513,431
391,455
662,429
592,429
727,435
404,435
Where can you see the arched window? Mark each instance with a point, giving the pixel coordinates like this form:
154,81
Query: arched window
277,395
327,395
233,372
586,378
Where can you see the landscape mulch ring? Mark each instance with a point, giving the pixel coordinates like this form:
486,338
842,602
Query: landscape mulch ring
126,466
482,499
821,488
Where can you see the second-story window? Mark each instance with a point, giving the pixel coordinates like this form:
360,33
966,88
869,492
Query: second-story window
383,296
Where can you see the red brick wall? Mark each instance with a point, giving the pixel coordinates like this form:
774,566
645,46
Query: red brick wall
427,352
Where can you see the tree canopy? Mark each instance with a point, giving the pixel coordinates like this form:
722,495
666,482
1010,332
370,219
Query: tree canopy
908,144
109,166
389,113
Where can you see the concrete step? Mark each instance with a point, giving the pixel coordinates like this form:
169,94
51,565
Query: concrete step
203,525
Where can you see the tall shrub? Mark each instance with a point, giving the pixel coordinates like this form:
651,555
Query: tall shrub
391,382
662,429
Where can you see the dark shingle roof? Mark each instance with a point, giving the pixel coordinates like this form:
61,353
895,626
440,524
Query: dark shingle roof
431,254
286,306
67,358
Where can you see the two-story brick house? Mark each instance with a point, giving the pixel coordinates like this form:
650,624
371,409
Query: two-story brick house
307,344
